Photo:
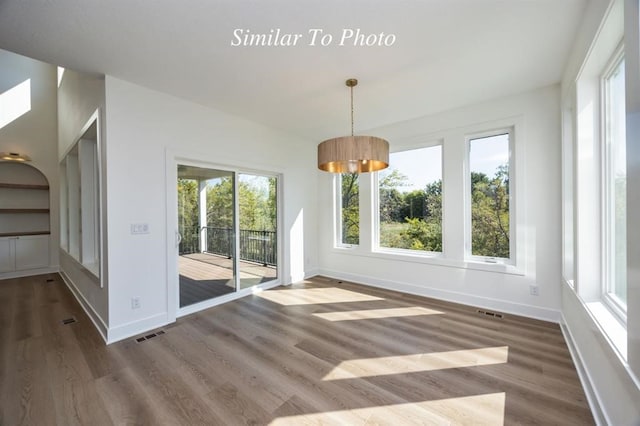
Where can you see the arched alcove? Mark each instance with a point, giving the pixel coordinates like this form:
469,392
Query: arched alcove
24,217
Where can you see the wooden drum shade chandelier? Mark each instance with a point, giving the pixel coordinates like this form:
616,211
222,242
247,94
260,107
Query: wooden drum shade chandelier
353,154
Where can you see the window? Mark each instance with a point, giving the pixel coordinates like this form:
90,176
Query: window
615,186
410,201
349,209
489,201
80,199
568,210
402,212
599,182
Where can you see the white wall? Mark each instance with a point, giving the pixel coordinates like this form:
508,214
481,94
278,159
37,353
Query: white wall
538,198
606,376
79,96
35,132
611,389
143,126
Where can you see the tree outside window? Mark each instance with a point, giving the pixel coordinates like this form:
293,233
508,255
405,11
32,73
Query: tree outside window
350,209
490,209
410,201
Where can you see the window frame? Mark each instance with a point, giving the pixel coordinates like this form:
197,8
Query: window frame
453,141
611,301
81,210
512,259
377,248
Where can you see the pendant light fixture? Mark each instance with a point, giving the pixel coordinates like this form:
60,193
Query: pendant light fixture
353,154
14,156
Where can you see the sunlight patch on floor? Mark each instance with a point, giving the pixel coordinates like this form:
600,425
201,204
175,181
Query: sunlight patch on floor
312,296
469,410
401,364
377,313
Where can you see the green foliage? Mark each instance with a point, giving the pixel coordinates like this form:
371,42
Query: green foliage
188,215
413,220
220,202
257,203
423,234
187,200
490,214
392,202
350,208
410,220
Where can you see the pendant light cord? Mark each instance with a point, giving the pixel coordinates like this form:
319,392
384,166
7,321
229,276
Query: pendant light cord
351,110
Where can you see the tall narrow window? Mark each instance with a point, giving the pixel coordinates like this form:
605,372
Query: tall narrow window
349,209
615,184
410,201
568,205
80,204
490,196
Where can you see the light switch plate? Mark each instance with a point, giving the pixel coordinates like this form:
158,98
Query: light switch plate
139,228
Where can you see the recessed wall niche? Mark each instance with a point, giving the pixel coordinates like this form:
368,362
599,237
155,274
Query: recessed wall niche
80,199
24,218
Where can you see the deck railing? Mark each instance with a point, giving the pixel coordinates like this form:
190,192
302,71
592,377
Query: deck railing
189,239
255,246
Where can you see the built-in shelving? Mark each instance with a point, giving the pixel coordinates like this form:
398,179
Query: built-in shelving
24,210
24,218
19,234
24,200
22,186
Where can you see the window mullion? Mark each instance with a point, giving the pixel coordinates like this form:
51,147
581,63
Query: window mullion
367,205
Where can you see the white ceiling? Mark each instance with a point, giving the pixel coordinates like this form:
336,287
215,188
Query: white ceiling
447,53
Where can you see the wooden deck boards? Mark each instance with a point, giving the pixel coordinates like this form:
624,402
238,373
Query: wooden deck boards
204,276
305,354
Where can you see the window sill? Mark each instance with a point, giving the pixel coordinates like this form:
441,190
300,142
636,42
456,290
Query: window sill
610,327
92,268
504,268
429,258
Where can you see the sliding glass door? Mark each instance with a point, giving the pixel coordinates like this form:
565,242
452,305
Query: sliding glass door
227,224
257,198
206,258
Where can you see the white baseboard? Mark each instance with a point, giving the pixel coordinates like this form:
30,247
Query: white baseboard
583,373
29,272
450,296
145,325
97,320
311,273
134,328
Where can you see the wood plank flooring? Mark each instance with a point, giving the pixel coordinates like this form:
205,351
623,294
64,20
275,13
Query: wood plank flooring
319,352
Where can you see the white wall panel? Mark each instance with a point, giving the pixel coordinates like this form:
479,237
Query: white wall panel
143,128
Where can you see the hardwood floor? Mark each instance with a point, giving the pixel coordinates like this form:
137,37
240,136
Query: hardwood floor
320,352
